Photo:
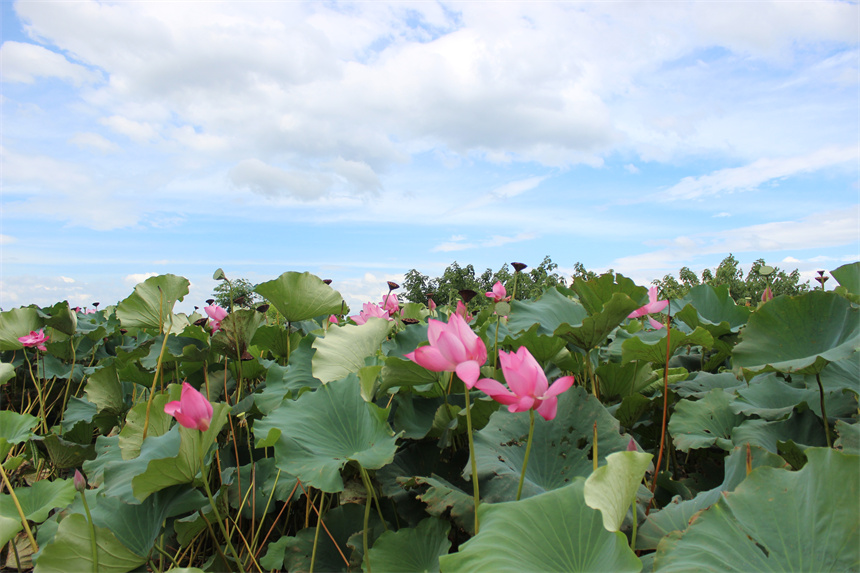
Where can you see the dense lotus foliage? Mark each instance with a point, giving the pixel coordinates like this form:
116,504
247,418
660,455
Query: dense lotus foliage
672,434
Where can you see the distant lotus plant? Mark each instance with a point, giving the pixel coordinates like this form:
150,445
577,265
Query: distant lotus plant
370,310
216,315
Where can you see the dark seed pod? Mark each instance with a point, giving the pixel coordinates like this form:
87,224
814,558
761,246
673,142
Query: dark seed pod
263,308
467,294
518,266
410,321
327,281
393,285
209,301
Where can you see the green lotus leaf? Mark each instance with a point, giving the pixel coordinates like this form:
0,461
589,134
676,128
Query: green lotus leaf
595,328
236,332
619,380
770,398
799,334
61,317
131,435
776,520
612,487
849,437
712,308
561,448
596,294
700,383
406,340
16,323
266,480
704,423
37,502
7,372
276,339
301,296
317,434
802,427
550,311
403,373
71,550
411,550
677,516
151,303
543,348
848,276
554,531
651,346
14,429
343,349
66,454
104,389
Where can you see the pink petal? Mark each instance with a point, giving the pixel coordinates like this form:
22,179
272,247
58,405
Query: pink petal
469,372
559,386
548,408
495,390
452,347
430,358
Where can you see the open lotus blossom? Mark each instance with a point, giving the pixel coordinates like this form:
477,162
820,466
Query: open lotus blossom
370,311
453,348
498,294
35,338
192,410
653,305
528,387
216,315
656,325
390,303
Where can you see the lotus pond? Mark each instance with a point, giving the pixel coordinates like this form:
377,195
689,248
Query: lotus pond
592,428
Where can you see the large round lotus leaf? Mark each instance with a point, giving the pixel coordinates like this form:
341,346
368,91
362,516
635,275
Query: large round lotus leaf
561,448
848,276
410,550
342,350
711,308
554,531
236,332
14,429
611,488
71,550
550,311
594,328
301,296
651,346
798,334
316,435
595,294
61,317
776,520
16,323
151,303
704,423
37,501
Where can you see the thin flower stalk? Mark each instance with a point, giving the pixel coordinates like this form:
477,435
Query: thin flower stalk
528,451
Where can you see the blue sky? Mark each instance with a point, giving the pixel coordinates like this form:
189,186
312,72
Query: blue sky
360,140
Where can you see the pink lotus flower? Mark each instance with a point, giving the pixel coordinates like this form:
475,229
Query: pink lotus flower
37,339
528,385
333,319
80,481
653,305
216,315
498,294
655,324
461,311
370,311
431,304
453,348
390,303
192,410
767,294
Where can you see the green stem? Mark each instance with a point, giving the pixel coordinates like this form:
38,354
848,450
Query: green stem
316,535
69,381
154,383
93,547
204,471
475,489
38,391
496,344
366,479
635,523
823,410
528,451
23,517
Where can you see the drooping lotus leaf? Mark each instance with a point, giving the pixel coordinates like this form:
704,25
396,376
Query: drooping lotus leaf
37,501
560,448
301,296
554,531
14,429
712,308
317,434
104,389
550,311
236,332
16,323
596,293
595,328
651,346
276,339
849,437
623,379
700,383
776,520
151,303
411,550
802,427
71,550
704,423
61,317
799,334
343,349
848,276
770,398
612,487
677,516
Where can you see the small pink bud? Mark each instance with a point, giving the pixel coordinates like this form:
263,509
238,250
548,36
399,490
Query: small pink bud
80,481
332,319
631,446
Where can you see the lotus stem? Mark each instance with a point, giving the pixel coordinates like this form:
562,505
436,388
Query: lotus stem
154,383
366,479
475,487
93,546
635,523
205,475
823,408
316,534
594,457
70,380
38,392
665,408
528,451
18,507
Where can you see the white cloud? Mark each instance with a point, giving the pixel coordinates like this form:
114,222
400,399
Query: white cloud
761,171
24,62
7,239
94,141
135,279
141,132
790,260
67,279
457,244
630,168
722,214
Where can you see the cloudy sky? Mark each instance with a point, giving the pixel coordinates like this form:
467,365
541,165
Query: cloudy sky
360,140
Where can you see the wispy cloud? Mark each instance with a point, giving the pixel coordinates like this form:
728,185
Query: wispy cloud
460,244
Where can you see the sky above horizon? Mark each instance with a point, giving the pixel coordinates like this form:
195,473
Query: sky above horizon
359,140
